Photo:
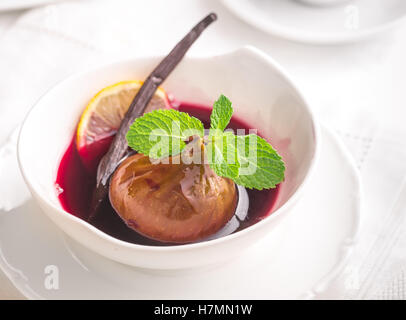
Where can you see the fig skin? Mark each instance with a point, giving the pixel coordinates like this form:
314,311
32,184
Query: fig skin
175,203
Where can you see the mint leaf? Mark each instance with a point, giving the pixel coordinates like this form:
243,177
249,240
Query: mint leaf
261,167
161,133
221,114
222,154
254,163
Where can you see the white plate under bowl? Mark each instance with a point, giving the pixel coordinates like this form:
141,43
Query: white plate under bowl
350,21
294,260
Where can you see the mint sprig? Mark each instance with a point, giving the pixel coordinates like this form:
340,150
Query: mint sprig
248,160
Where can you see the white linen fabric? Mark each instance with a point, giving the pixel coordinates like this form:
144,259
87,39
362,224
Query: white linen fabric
356,89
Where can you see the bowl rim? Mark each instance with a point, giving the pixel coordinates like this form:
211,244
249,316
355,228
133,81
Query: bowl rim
249,50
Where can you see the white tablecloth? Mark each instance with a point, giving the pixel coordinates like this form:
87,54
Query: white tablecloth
356,89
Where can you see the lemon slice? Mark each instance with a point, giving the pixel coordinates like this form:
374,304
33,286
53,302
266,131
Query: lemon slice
105,111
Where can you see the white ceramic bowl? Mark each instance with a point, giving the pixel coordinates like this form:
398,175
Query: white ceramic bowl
262,95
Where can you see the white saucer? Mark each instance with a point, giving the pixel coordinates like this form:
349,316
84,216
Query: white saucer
293,20
296,260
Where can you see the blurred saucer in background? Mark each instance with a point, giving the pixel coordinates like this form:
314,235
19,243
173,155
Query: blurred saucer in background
345,22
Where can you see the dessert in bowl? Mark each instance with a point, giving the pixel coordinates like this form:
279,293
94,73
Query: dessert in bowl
263,98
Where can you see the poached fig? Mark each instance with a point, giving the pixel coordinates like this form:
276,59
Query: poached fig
177,203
